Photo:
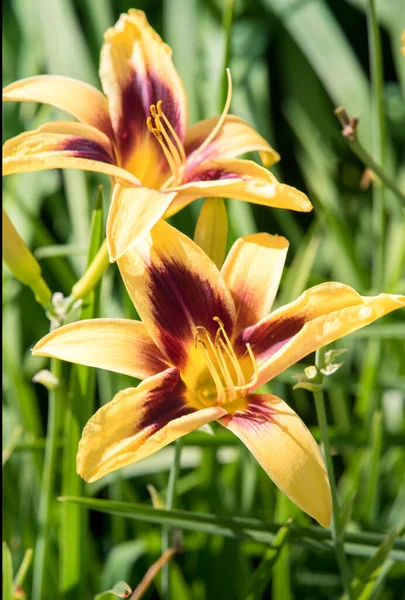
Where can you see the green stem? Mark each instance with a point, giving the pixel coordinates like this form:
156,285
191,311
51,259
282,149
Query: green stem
42,548
93,274
336,527
365,157
170,497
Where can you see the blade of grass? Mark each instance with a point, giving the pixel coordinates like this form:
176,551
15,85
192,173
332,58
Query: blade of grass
379,142
43,542
23,569
79,408
227,29
328,51
182,16
301,267
365,582
336,525
371,499
60,250
256,587
170,497
7,573
357,543
281,581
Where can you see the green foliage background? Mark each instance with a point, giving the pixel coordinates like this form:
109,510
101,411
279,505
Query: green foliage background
292,63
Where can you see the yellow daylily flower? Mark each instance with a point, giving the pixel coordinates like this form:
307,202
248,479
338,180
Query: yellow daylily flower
205,344
137,133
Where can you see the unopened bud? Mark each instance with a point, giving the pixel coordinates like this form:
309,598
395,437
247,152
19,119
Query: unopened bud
22,263
211,232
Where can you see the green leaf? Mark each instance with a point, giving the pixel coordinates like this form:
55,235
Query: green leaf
358,544
365,582
346,510
296,279
320,37
7,573
256,587
23,570
120,590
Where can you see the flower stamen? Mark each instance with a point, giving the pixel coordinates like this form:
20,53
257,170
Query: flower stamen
160,126
221,394
218,356
176,138
220,362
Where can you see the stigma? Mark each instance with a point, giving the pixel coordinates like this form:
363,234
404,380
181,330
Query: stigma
223,364
169,141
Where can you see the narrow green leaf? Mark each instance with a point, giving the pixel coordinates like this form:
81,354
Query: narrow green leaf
60,250
298,274
364,583
373,468
120,590
358,544
183,16
66,49
346,510
23,569
7,573
79,409
256,587
320,37
11,444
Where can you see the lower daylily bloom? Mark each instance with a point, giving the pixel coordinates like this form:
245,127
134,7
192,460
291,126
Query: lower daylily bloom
205,344
137,133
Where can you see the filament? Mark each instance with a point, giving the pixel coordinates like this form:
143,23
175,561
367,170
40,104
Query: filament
159,125
218,355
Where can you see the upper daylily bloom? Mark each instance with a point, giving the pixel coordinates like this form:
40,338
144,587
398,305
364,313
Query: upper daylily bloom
205,344
137,133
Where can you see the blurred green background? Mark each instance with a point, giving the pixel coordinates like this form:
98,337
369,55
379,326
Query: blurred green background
292,63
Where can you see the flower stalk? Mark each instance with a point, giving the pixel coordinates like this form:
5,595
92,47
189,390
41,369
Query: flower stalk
170,497
336,525
93,274
42,548
349,132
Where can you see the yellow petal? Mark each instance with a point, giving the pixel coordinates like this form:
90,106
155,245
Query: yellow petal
119,345
175,287
138,422
211,232
240,179
133,212
318,317
136,71
81,100
286,450
235,137
62,145
252,271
